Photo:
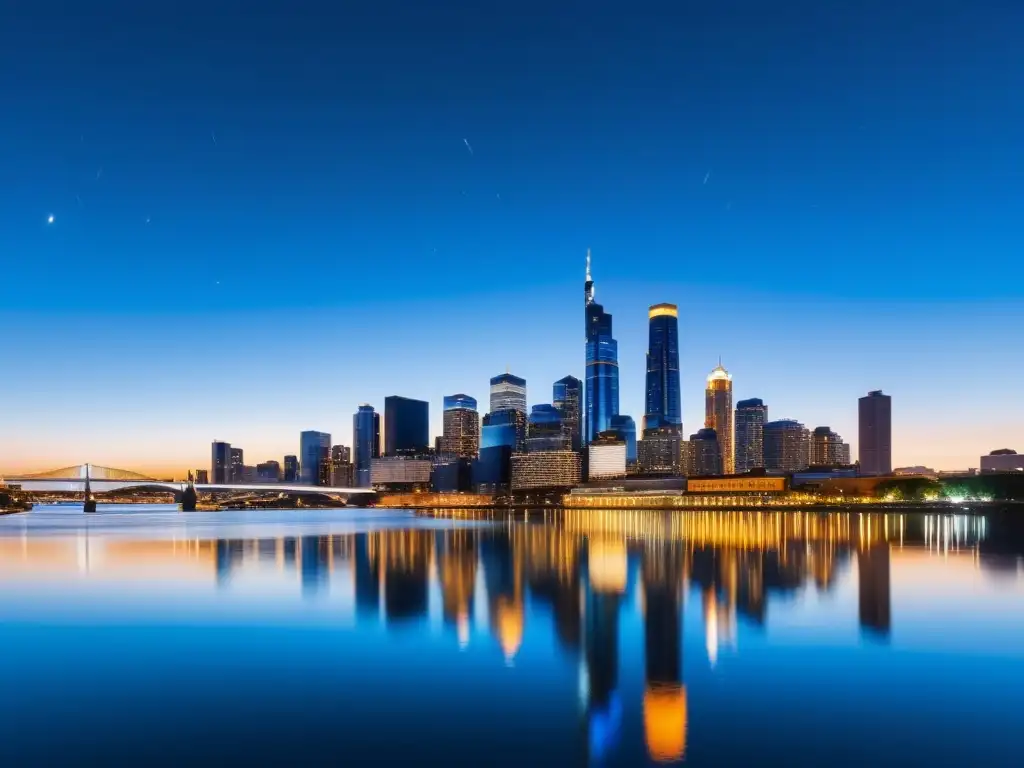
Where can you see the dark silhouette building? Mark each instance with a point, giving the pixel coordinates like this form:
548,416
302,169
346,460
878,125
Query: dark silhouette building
406,426
875,433
664,408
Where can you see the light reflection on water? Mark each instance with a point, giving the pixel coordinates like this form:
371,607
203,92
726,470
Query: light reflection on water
619,638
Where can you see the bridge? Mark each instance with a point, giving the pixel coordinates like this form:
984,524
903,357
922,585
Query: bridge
91,479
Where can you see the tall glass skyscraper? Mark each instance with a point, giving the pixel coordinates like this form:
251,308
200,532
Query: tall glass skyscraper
365,442
663,403
718,414
602,359
751,416
625,427
461,426
406,426
508,392
220,463
314,455
566,397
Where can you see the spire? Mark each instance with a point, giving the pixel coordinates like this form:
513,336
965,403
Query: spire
589,278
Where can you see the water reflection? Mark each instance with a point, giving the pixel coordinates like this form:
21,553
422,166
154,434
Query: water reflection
588,571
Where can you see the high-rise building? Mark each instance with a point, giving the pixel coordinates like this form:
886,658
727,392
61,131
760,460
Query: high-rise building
625,427
202,477
401,473
602,358
786,446
342,469
365,442
663,404
751,416
544,430
508,392
718,414
461,427
268,472
314,455
237,465
291,469
827,449
875,433
503,433
406,426
541,469
705,453
220,463
606,457
659,453
566,397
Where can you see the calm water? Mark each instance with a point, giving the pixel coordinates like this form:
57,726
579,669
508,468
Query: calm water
145,636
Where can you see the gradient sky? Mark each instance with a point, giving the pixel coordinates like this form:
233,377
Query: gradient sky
263,218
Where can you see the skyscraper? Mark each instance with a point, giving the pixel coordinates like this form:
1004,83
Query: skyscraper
544,429
365,442
786,446
718,414
461,427
508,392
625,427
827,449
751,416
663,404
237,465
503,433
565,396
220,463
406,426
875,433
291,469
705,453
602,358
314,454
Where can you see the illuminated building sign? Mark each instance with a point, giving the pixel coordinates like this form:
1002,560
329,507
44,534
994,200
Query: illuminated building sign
741,484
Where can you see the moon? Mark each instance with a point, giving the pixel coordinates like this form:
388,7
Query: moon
49,219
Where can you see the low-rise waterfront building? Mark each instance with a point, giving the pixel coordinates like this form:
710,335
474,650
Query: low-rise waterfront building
606,457
545,469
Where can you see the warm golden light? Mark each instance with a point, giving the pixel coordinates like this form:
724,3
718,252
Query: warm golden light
608,565
663,310
665,723
509,622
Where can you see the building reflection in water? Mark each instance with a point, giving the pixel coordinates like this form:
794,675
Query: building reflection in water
582,566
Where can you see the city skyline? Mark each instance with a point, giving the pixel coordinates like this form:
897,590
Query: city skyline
816,215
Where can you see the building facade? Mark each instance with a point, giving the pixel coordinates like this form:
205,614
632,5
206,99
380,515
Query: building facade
237,465
875,433
602,359
827,449
705,454
291,469
664,407
786,446
343,473
365,443
544,430
750,418
406,426
401,473
1002,460
537,470
220,463
508,393
503,433
460,427
314,456
268,472
719,414
606,457
566,396
660,452
625,427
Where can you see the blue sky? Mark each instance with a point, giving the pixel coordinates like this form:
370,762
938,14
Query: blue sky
263,219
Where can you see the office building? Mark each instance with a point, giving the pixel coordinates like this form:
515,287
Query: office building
705,453
450,473
606,457
268,472
291,469
406,427
1002,460
220,463
786,446
544,430
237,465
401,473
503,433
508,393
875,433
567,395
625,427
664,408
202,477
365,442
602,359
343,472
545,469
460,427
827,449
660,452
719,413
748,434
314,455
